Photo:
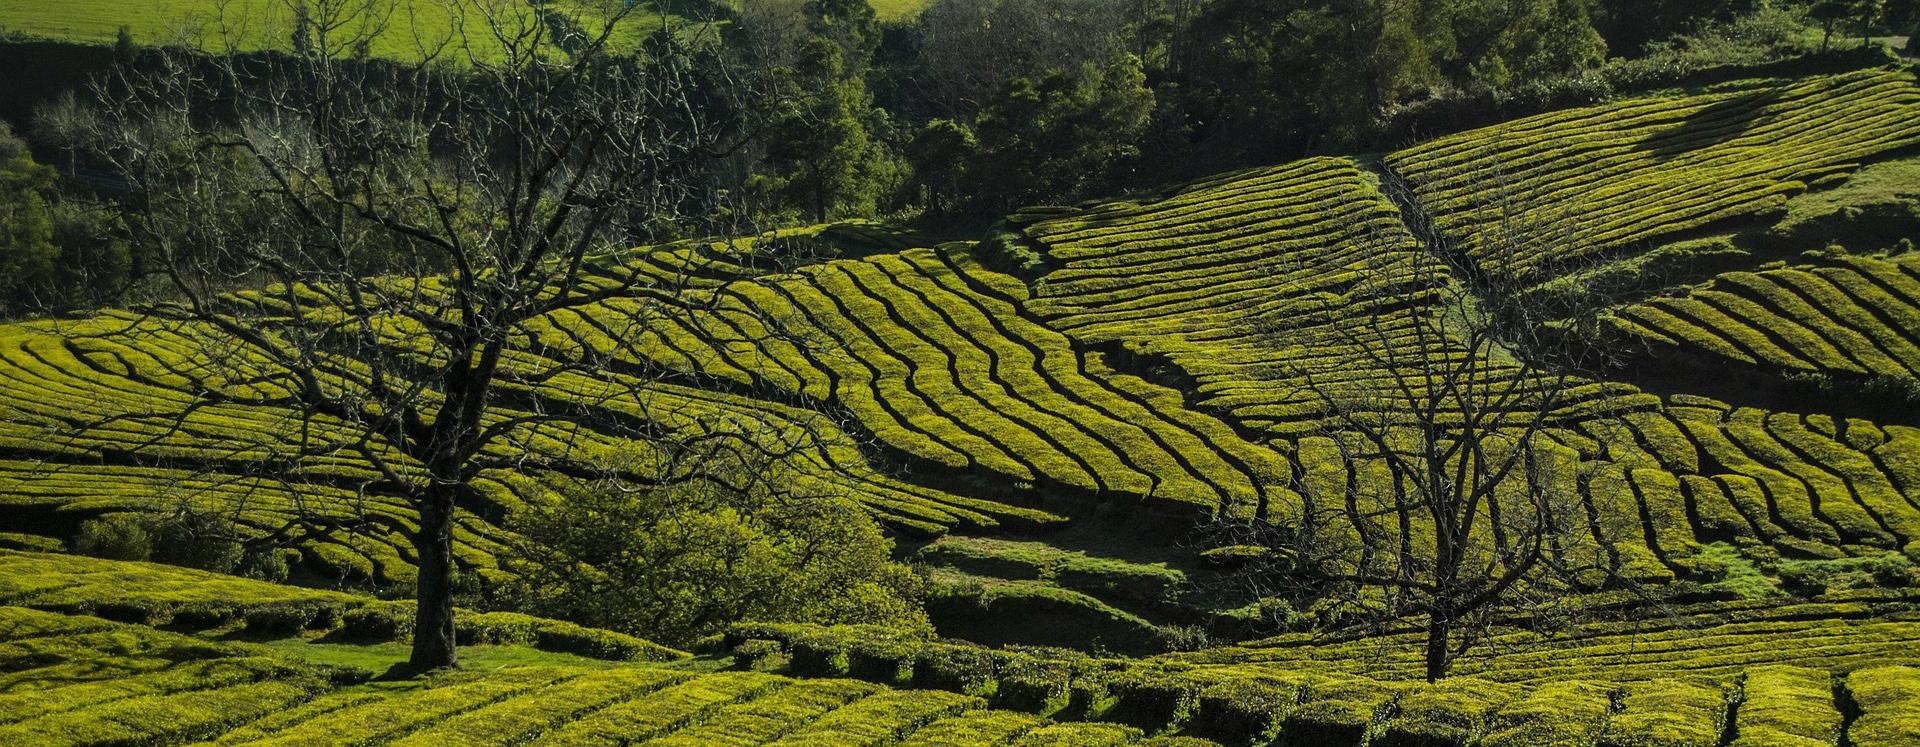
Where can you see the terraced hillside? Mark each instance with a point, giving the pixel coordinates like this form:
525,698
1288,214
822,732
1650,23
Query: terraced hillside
1644,683
931,356
1160,362
85,681
71,679
1851,317
1519,199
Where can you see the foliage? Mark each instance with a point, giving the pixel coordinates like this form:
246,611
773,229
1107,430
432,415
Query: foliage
27,251
1320,71
1068,135
115,537
825,158
679,562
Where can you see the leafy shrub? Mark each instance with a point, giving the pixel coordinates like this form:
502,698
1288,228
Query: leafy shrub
1888,570
1153,701
186,537
379,621
115,537
280,620
760,654
1245,711
677,563
1041,688
196,539
565,637
967,670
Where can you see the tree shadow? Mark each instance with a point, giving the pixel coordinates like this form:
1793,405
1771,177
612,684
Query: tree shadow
1713,124
54,669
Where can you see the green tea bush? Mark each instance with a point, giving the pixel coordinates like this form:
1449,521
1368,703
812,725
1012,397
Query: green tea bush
967,670
1245,711
566,637
760,654
285,619
1037,687
379,621
1886,698
115,537
1153,701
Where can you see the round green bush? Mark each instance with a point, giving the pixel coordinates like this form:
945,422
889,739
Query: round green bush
115,537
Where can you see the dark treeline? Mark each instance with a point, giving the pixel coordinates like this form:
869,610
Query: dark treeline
973,108
977,107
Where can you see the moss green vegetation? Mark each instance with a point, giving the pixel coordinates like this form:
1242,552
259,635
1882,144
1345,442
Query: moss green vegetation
1665,165
1787,706
1871,211
1851,316
893,10
1708,640
1142,369
1075,570
414,26
187,599
74,680
1885,697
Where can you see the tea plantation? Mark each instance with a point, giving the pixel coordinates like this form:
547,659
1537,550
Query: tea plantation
1041,419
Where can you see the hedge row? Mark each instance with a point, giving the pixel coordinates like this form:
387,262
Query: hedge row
155,594
1527,198
1303,703
1854,319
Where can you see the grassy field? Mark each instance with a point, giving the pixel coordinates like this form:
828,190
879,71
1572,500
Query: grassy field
412,28
896,10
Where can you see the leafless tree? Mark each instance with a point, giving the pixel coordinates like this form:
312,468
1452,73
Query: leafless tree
368,228
1441,489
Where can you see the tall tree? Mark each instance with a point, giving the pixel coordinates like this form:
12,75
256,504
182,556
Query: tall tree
967,51
27,251
401,228
1063,137
822,153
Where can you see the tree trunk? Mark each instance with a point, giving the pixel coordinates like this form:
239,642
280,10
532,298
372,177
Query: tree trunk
1439,627
433,639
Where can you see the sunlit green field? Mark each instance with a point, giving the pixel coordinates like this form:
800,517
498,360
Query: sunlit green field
412,28
890,10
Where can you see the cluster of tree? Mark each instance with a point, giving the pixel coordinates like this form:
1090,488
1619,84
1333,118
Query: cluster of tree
54,252
972,108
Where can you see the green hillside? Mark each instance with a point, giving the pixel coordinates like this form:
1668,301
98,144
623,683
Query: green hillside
1053,419
1124,374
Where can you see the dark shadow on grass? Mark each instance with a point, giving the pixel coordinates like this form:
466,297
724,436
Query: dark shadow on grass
1713,124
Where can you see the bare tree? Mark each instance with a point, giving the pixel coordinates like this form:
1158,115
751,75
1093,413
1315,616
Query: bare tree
374,244
1441,489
